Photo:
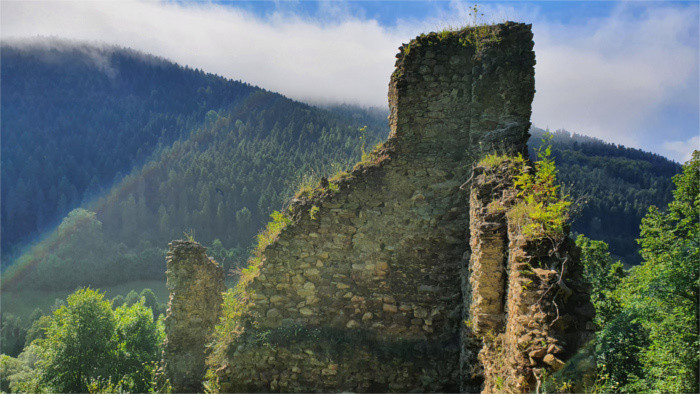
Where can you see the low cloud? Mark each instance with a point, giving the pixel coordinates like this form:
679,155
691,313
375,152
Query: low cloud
682,150
349,60
613,77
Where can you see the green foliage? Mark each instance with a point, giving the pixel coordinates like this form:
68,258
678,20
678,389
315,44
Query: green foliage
230,259
79,252
618,349
480,34
363,141
372,157
306,184
663,291
211,382
604,275
12,334
139,338
118,301
492,160
131,298
542,211
151,302
237,300
78,344
652,344
279,221
18,374
73,126
9,366
87,344
223,176
38,329
189,235
611,187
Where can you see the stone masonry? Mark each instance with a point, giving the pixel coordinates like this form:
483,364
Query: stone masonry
529,306
196,284
364,290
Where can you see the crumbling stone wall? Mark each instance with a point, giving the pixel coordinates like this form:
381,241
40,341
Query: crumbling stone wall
529,306
196,284
362,291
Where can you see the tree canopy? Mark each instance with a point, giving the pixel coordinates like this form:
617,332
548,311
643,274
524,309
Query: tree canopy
88,344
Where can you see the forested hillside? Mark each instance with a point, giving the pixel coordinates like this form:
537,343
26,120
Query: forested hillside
77,117
210,157
612,187
241,161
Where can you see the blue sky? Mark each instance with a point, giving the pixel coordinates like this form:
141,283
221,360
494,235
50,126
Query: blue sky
626,72
388,12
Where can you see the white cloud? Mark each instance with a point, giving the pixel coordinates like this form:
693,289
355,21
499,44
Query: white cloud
681,151
611,77
334,56
302,58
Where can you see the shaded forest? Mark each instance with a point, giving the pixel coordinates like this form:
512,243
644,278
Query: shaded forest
221,181
612,187
76,118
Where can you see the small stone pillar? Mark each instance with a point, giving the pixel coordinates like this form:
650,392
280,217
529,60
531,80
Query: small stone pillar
196,284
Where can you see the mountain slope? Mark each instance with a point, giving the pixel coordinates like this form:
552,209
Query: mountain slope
220,179
75,117
612,186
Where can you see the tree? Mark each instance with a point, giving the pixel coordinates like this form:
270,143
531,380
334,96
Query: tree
78,346
139,338
150,301
604,275
9,366
88,345
663,291
12,334
131,298
653,343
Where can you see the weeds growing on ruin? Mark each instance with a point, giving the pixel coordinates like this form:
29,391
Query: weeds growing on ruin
237,299
542,212
492,160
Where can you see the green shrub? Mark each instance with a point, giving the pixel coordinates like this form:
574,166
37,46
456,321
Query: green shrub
542,211
313,212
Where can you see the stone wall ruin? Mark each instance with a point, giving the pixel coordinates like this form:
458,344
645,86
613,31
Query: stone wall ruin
397,276
529,309
196,284
364,290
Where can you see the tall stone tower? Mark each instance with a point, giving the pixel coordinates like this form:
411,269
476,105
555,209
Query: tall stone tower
367,289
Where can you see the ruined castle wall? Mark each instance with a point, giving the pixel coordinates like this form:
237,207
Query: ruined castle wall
196,284
362,292
538,312
488,228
